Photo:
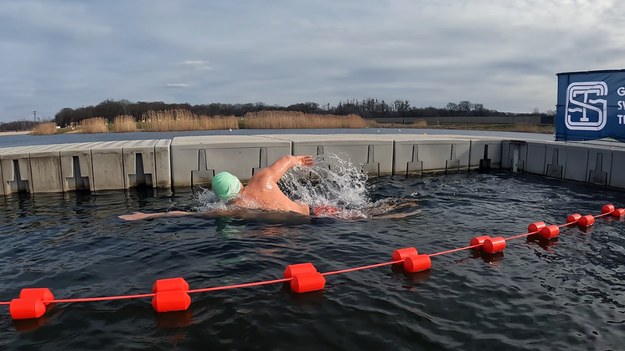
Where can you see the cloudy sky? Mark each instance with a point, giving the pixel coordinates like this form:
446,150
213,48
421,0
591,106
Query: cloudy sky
503,54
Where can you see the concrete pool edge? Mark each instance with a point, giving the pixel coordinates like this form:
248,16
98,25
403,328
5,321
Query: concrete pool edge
193,160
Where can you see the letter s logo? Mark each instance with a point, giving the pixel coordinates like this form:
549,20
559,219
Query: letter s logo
584,109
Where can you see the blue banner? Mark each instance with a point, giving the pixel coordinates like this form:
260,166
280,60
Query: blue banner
591,105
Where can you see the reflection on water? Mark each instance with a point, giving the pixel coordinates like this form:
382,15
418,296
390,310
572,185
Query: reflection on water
562,294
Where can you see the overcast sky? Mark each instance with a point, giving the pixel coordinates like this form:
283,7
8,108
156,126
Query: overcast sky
503,54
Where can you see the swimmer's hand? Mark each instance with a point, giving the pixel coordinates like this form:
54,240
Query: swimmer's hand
307,160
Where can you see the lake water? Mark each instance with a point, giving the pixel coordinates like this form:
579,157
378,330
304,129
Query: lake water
25,140
566,294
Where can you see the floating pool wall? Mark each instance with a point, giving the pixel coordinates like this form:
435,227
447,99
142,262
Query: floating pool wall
193,161
596,163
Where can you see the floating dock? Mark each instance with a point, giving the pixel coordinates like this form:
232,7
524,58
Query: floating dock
194,160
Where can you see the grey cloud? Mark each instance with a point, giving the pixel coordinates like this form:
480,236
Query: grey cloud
502,54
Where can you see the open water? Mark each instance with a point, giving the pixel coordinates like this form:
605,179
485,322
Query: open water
27,140
567,294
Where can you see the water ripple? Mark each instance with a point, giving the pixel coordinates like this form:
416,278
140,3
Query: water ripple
566,294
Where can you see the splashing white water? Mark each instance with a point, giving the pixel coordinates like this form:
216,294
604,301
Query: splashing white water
208,201
331,181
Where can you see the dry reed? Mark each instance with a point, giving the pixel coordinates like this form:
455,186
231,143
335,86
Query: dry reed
124,123
177,120
419,124
93,125
533,128
291,120
46,128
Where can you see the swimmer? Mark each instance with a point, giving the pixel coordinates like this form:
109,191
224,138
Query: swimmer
260,193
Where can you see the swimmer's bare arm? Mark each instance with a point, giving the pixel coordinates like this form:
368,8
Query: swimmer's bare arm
281,166
275,172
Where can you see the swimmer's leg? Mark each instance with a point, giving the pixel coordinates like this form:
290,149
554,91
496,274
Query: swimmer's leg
389,211
137,216
234,212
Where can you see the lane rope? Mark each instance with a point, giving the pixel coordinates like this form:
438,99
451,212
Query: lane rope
172,294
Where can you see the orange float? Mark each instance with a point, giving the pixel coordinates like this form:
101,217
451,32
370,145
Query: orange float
171,301
535,227
619,212
170,284
26,309
478,240
43,294
31,303
305,278
418,263
170,295
402,254
300,268
550,232
609,208
494,245
307,282
586,221
573,218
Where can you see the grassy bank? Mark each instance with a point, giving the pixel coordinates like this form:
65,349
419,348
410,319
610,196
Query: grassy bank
500,127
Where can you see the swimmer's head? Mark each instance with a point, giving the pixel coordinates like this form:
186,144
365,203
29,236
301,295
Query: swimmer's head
226,185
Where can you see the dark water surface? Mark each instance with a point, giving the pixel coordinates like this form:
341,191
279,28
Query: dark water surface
27,140
563,295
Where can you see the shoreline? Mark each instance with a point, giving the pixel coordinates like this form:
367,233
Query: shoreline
515,128
26,132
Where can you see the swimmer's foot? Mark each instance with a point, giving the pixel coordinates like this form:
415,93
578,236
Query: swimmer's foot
405,205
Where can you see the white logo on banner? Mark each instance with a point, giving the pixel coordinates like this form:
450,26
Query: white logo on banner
584,109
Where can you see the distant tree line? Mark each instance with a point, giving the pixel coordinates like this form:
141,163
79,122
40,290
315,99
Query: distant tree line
374,108
367,108
17,126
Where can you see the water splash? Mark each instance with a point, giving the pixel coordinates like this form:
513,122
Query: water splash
208,201
332,181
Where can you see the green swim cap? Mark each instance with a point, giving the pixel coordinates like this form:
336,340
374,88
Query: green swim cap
226,185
